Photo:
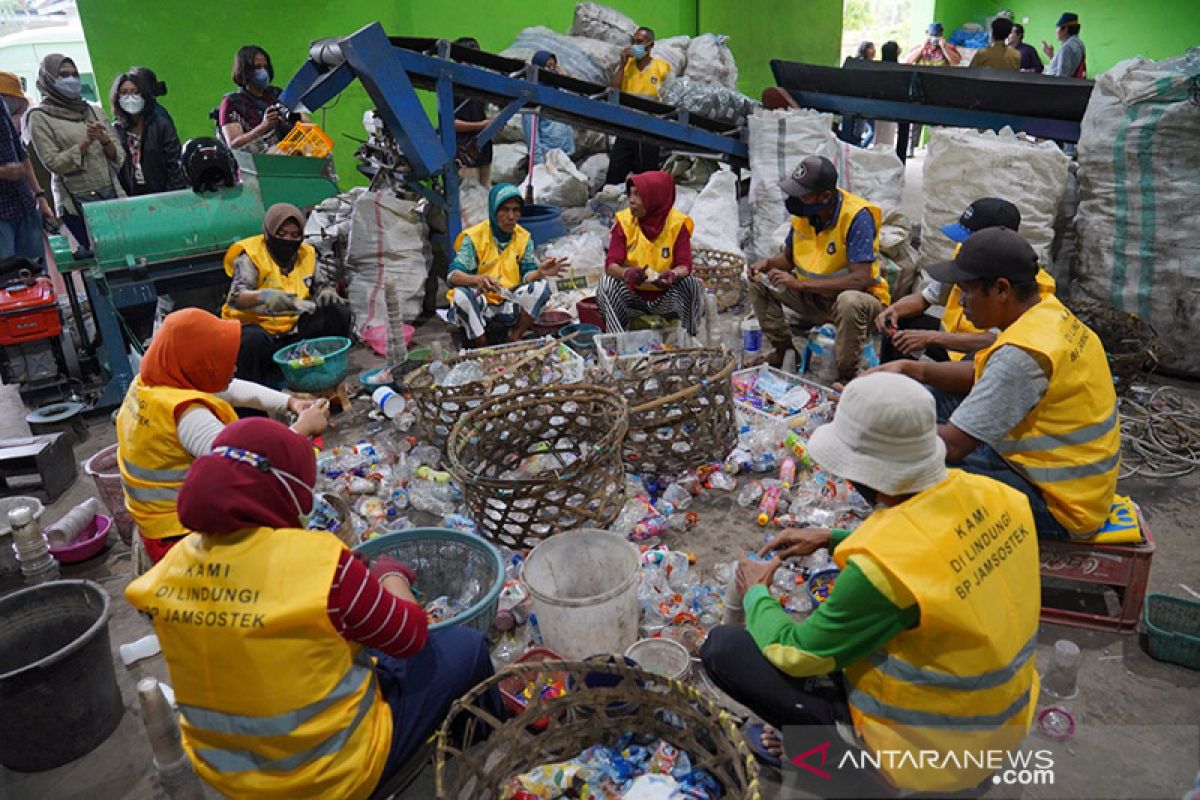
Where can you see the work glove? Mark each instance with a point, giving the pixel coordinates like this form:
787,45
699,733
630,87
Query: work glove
277,300
329,297
383,566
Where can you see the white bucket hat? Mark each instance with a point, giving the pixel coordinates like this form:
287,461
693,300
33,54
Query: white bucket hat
883,435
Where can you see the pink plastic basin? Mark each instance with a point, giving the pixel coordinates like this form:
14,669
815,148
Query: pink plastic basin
91,542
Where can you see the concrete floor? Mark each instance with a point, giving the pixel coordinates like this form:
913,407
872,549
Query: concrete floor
1138,719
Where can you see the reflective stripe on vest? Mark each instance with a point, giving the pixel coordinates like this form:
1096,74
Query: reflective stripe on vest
655,255
1069,444
154,475
502,265
901,670
822,254
150,494
270,276
246,760
925,719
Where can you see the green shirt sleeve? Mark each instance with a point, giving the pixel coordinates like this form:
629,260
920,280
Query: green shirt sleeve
465,260
855,621
528,259
836,537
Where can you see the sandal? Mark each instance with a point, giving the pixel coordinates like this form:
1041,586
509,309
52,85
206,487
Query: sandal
753,734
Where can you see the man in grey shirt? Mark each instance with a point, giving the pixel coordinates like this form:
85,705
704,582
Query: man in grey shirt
1071,59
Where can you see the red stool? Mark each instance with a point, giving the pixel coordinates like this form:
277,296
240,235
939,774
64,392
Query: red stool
1074,566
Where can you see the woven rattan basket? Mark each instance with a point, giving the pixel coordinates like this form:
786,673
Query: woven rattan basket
506,368
721,273
603,701
681,411
575,432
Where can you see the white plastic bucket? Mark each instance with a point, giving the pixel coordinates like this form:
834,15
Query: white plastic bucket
583,585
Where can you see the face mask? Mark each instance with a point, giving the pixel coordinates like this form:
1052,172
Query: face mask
69,87
797,208
283,250
132,103
260,78
638,51
263,463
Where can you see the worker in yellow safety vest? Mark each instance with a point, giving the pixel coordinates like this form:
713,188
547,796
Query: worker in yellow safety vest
909,331
639,73
932,621
277,294
299,671
829,269
1040,410
182,397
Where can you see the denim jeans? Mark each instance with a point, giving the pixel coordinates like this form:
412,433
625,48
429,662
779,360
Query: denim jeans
984,460
23,237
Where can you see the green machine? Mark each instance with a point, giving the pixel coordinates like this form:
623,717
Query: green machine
148,246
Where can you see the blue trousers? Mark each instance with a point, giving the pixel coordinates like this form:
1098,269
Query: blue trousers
984,460
421,689
23,236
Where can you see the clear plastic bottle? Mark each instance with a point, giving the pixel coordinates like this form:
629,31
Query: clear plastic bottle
33,552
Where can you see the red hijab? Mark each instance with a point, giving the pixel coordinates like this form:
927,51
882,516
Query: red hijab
192,350
657,190
222,494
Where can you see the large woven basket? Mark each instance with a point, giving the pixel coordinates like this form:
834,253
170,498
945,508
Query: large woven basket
507,368
1131,344
721,273
681,411
575,431
603,702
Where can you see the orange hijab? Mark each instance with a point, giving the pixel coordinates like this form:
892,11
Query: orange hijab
193,350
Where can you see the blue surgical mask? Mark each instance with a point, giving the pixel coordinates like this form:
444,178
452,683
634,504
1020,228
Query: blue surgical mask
260,78
69,87
638,51
800,209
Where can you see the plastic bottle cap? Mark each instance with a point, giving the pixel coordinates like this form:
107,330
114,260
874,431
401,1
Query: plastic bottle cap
21,515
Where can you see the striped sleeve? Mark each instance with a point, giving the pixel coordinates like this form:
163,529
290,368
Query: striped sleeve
856,620
364,612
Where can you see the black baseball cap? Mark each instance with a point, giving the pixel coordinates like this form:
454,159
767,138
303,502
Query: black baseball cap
986,212
1067,18
989,253
815,174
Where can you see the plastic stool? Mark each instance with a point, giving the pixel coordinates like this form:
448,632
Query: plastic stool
1125,568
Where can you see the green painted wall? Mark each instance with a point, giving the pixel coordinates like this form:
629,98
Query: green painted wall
191,45
1112,31
761,30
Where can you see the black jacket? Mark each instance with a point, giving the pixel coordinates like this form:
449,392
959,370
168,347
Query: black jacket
160,155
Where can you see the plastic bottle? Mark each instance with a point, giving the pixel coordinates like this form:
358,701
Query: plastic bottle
712,336
387,401
68,529
768,505
794,443
738,461
33,553
787,473
750,494
1062,673
752,340
678,496
144,647
722,482
179,781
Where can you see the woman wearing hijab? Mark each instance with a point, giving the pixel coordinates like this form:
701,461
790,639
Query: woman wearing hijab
277,295
495,275
76,142
648,269
551,135
180,401
297,672
148,135
251,118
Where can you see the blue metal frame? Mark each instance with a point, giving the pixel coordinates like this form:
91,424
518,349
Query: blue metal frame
386,72
1043,127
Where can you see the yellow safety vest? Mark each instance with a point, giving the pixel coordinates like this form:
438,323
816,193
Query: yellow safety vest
152,461
1069,445
963,679
503,266
274,703
955,319
823,255
270,276
646,82
657,255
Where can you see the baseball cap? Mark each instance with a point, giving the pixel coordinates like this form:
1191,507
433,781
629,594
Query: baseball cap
986,212
1067,18
935,29
989,253
815,174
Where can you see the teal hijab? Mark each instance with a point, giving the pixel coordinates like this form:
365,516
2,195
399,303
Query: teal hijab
496,198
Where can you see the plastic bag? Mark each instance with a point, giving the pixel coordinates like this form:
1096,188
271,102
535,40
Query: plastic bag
713,101
715,214
873,173
684,198
388,241
710,61
587,59
508,163
595,169
674,52
558,182
601,22
472,202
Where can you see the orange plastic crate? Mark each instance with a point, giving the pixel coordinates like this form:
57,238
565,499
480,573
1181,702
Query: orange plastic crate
306,139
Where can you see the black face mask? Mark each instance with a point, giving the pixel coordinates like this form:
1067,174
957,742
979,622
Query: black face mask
868,494
283,250
797,208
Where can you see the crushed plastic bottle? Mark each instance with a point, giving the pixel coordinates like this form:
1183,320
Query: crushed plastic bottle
432,497
679,497
463,373
722,481
750,493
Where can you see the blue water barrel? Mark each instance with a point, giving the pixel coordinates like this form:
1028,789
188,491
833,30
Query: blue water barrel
544,223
